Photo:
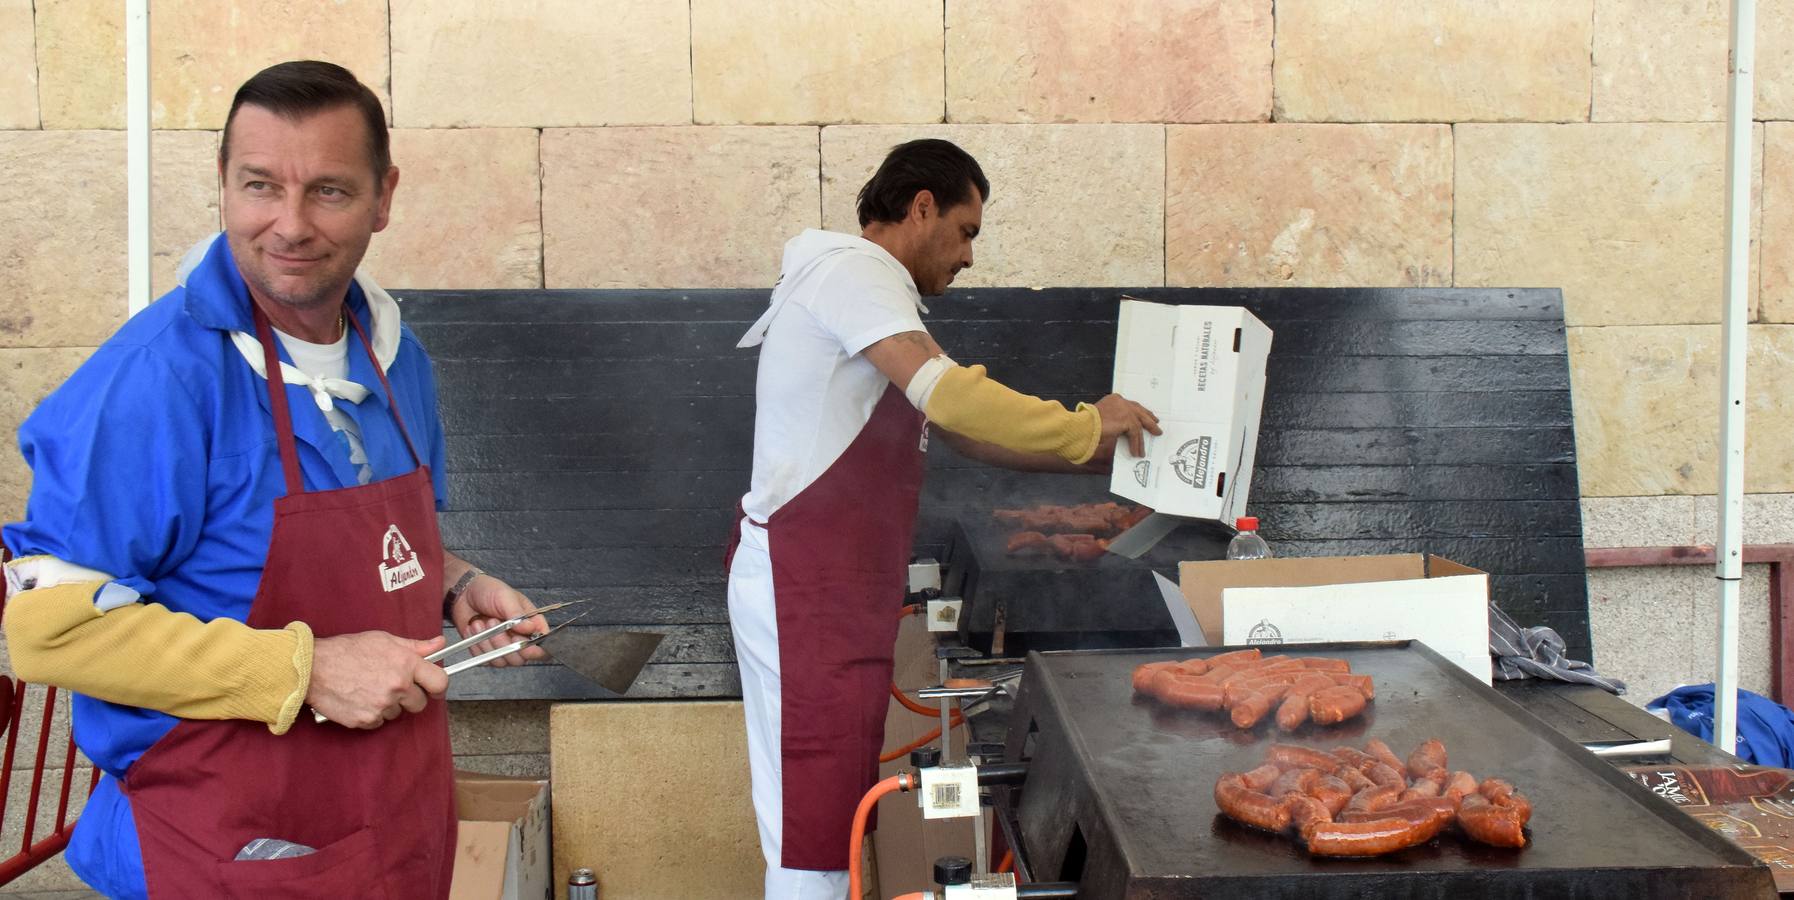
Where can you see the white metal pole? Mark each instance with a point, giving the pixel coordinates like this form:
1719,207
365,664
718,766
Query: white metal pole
1729,565
137,154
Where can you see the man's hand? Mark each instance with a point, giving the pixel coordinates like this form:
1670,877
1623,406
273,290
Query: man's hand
1123,416
366,680
487,602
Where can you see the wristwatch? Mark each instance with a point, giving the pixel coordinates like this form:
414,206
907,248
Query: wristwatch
454,591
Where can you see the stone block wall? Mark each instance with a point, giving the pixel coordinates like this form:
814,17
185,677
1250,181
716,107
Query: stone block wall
676,143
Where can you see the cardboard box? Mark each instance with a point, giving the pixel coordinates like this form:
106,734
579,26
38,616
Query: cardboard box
1345,598
1201,369
502,850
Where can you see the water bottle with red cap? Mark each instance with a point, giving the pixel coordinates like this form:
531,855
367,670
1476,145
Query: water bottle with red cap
1246,544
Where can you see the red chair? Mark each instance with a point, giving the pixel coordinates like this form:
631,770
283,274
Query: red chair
34,850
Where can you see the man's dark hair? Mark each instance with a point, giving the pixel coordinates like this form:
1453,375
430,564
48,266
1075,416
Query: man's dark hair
929,164
297,89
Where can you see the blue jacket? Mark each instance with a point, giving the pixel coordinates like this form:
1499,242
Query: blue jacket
1765,727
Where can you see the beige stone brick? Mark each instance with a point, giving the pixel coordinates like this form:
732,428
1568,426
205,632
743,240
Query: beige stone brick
26,378
467,212
1122,61
199,54
1657,628
683,207
18,65
62,224
541,63
1432,60
798,61
1777,256
1666,521
676,774
1627,219
1069,204
1308,205
1666,62
1646,403
1768,518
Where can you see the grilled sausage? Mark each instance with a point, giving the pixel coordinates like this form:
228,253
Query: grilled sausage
1353,778
1421,810
1362,682
1427,760
1305,811
1333,793
1143,674
1324,664
1249,807
1294,709
1250,711
1386,777
1261,778
1421,789
1373,798
1495,789
1487,823
1186,691
1335,704
1460,785
1297,781
1373,838
1290,756
1375,747
1236,658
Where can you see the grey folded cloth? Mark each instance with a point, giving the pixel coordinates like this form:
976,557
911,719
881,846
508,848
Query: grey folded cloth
1537,652
272,848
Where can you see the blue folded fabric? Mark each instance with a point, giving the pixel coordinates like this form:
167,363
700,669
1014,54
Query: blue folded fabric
1765,727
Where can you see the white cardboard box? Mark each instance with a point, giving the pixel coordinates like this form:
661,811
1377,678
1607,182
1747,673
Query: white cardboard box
502,850
1349,598
1201,369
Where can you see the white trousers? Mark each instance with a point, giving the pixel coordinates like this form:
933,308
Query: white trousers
755,624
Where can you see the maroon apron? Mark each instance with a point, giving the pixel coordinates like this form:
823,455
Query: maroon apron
378,805
840,554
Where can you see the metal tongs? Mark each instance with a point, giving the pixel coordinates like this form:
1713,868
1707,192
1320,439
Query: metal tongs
490,655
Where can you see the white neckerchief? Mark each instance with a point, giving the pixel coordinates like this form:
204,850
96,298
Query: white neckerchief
385,340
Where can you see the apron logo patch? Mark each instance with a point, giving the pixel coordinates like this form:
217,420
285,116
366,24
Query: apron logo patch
399,565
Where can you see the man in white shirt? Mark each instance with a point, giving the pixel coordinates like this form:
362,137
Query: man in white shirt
850,385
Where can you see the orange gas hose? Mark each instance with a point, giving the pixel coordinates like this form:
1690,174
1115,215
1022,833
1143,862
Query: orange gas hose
902,781
912,705
1008,859
901,752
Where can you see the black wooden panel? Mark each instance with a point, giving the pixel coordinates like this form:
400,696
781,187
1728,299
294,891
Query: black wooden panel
598,441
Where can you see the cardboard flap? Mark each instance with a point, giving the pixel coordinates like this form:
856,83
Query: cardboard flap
495,798
480,854
1440,567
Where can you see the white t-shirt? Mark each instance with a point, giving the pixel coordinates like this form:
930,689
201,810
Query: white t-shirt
838,295
331,361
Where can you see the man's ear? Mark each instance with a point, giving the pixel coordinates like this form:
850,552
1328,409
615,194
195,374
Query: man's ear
922,205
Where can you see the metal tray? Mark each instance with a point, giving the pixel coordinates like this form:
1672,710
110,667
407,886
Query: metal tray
1120,794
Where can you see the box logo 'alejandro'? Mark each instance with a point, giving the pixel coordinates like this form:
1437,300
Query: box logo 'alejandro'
1143,472
1264,633
1191,461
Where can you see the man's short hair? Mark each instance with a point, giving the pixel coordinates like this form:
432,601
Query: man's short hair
297,89
929,164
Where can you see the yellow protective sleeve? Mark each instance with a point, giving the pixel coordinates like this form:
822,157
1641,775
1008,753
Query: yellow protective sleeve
966,401
148,655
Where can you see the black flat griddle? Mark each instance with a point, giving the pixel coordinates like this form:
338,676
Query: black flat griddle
1119,796
1046,603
